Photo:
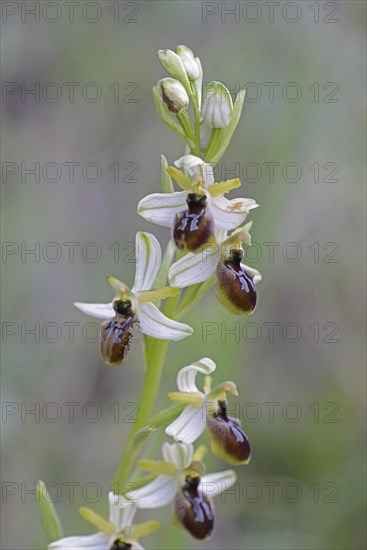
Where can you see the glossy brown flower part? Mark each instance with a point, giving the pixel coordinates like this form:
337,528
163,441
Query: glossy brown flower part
193,510
194,226
116,333
119,544
228,440
236,289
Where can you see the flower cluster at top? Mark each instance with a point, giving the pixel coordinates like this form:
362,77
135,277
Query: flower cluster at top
208,239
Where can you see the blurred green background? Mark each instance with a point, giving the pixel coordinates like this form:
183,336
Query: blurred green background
309,373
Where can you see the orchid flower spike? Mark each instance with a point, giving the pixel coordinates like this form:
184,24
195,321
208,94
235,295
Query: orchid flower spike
180,479
135,306
195,213
207,410
117,533
236,281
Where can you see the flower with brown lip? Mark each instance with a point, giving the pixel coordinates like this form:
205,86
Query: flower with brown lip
207,410
236,281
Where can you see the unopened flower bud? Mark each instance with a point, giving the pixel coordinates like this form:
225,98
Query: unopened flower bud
194,226
217,105
236,288
174,95
174,66
228,440
190,62
193,510
116,333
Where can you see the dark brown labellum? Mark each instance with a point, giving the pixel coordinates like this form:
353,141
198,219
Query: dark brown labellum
236,289
120,545
194,226
194,510
116,333
228,438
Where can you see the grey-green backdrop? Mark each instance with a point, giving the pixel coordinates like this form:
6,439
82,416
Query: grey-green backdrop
90,134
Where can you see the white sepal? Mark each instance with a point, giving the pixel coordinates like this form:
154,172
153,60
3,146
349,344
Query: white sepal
194,268
154,323
214,484
99,541
149,257
189,426
101,311
161,208
159,492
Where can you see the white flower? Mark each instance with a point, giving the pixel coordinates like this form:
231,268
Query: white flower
191,423
151,320
217,105
236,290
161,208
180,473
207,410
119,528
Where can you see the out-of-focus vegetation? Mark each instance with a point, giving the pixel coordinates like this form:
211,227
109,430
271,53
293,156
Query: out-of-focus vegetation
301,386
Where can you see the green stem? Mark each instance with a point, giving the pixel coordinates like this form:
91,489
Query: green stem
155,355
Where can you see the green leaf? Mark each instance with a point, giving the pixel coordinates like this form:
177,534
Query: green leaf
143,434
167,185
49,518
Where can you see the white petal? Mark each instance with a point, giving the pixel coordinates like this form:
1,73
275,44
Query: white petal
122,512
101,311
256,275
161,208
196,165
159,492
188,162
213,484
99,541
189,426
115,513
229,214
149,256
187,375
178,453
154,323
194,268
128,514
136,546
